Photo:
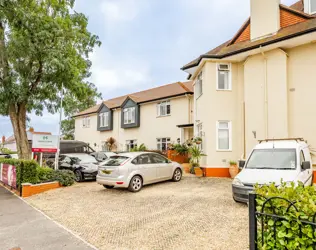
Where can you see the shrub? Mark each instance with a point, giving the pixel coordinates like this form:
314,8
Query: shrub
45,174
7,151
290,232
140,148
65,177
181,149
26,170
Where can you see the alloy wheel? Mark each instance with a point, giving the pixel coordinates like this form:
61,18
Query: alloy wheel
137,183
177,175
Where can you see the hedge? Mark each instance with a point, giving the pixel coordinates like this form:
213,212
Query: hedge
30,172
288,234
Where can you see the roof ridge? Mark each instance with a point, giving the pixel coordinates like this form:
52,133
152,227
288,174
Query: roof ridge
183,86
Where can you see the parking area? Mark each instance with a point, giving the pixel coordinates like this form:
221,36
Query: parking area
196,213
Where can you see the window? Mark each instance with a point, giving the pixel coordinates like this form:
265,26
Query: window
163,108
163,143
104,119
224,137
223,77
129,115
142,159
158,159
302,158
130,144
198,85
200,134
86,122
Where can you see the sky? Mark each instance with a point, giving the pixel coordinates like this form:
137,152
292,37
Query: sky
146,42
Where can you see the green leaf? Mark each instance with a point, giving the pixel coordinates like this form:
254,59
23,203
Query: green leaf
270,222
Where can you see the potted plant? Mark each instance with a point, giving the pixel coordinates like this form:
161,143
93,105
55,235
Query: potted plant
233,169
196,155
198,140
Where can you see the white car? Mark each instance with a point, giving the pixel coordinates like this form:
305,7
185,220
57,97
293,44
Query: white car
135,169
274,161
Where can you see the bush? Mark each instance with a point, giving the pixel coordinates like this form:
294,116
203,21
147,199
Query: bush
26,170
45,174
288,234
65,177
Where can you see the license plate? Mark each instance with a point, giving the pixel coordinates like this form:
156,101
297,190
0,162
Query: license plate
105,171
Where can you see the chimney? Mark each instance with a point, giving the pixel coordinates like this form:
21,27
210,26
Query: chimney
3,139
265,18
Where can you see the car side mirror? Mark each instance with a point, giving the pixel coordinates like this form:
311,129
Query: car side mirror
241,164
306,165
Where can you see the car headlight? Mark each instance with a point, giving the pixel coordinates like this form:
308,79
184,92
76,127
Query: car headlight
237,182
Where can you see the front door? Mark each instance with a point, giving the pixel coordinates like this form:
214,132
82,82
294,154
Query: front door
147,169
164,167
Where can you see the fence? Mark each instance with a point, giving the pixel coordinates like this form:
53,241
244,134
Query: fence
8,176
258,222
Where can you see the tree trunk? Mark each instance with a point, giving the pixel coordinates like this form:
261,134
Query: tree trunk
18,119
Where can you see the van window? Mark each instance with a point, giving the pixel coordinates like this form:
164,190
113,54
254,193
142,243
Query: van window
272,159
302,158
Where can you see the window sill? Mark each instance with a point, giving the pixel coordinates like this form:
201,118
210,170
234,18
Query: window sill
224,90
161,116
224,150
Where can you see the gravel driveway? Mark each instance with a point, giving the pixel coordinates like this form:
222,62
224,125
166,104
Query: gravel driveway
196,213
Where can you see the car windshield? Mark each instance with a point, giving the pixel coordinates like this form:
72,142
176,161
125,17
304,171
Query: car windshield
114,161
85,158
272,159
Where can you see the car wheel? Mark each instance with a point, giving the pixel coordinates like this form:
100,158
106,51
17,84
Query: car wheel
78,176
177,175
136,184
108,187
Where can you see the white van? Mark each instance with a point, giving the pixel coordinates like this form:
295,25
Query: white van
287,160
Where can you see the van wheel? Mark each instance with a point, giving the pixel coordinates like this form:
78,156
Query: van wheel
135,184
177,175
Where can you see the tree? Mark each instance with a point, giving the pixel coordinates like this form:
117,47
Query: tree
44,47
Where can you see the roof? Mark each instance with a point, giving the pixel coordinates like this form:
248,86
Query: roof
300,24
289,144
165,91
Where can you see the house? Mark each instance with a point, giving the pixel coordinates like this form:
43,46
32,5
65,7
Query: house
155,117
260,84
10,142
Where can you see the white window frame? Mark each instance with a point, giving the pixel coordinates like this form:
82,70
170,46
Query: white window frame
160,143
129,115
164,105
128,144
229,76
104,119
230,148
86,122
199,85
308,7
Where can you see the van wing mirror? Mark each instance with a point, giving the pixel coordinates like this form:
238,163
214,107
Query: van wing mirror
241,164
306,165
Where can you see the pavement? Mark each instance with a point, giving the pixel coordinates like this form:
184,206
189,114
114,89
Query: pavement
23,227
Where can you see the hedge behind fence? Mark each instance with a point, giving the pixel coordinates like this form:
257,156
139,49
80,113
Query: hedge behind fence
26,171
290,232
30,172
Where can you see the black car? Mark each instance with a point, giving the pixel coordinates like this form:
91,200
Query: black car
83,165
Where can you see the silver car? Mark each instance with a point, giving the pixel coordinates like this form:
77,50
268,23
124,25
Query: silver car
135,169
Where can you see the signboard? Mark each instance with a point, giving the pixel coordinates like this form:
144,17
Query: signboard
44,143
8,175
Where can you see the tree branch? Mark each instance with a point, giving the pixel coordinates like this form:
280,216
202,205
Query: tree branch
38,78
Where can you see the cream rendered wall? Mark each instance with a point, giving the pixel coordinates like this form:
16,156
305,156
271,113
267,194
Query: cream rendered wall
302,92
216,105
265,81
261,23
151,126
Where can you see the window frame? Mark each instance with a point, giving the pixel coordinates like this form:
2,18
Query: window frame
230,146
86,122
165,105
104,123
230,87
167,142
199,84
128,144
310,7
126,112
166,161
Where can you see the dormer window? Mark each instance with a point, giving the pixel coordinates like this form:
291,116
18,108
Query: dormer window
104,119
129,115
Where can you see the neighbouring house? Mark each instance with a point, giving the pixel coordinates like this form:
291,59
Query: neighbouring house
260,84
10,142
155,117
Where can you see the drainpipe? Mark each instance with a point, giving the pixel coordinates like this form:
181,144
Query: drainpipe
266,110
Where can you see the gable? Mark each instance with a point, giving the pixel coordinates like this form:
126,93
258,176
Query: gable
287,18
103,108
128,103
